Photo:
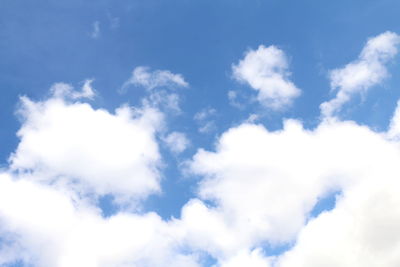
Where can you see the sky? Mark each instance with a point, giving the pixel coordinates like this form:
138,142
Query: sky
208,133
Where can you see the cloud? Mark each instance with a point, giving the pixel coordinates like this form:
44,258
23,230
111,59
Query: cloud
362,74
258,187
205,121
142,76
163,100
233,99
394,127
256,190
44,227
94,150
95,34
266,70
64,90
177,142
114,21
264,185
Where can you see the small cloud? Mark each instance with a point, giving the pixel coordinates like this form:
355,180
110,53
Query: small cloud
252,118
114,21
177,142
203,119
266,70
163,100
95,34
204,114
143,77
233,99
362,74
207,127
65,90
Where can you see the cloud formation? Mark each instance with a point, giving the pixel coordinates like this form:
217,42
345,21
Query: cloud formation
64,90
43,226
266,70
256,192
143,77
91,149
264,186
177,142
362,74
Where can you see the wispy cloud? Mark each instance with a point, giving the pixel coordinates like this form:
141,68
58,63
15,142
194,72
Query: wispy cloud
95,34
362,74
143,77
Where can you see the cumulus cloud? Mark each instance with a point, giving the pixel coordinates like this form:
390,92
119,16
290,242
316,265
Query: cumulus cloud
362,74
257,190
265,184
266,70
44,227
96,151
142,76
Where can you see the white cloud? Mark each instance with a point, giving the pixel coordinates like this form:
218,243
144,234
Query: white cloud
177,142
64,90
244,258
362,74
91,148
257,188
204,119
163,100
263,186
204,114
46,228
142,76
394,127
95,34
266,70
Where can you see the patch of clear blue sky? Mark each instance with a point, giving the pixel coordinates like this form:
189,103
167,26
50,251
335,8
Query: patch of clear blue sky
42,42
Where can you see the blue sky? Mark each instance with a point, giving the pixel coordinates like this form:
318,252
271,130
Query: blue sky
231,133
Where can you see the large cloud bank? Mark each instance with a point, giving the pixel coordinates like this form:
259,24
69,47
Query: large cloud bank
257,192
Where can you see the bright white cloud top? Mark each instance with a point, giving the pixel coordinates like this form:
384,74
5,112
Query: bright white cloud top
104,153
365,72
257,188
266,70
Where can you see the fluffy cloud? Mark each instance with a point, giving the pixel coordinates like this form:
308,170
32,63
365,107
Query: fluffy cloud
90,149
259,187
142,76
360,75
257,191
43,227
264,185
266,70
